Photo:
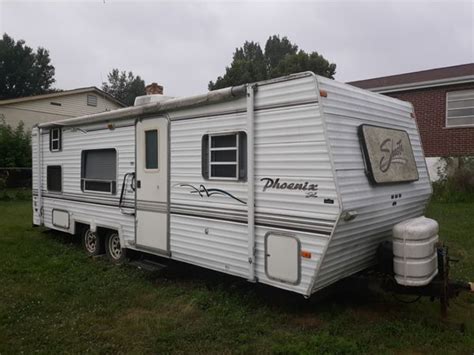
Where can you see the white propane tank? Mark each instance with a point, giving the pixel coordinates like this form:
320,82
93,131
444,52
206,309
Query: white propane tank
415,259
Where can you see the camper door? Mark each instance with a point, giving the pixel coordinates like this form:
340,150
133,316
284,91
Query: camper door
151,232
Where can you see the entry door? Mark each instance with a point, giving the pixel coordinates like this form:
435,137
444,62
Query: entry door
152,184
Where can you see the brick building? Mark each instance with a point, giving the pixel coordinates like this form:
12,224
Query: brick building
443,99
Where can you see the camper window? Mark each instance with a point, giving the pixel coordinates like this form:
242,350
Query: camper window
55,139
224,156
99,170
151,149
54,178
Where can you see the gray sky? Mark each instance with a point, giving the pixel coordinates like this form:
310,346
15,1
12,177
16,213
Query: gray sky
184,44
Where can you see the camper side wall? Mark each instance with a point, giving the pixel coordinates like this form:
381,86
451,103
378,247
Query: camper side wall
82,172
295,197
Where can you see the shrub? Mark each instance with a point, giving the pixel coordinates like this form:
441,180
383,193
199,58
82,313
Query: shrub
15,146
456,180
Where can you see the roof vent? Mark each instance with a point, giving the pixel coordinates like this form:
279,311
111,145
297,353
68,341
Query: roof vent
154,93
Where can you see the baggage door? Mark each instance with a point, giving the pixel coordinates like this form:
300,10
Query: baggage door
151,232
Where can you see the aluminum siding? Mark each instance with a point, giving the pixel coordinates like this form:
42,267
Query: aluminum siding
353,244
87,206
290,145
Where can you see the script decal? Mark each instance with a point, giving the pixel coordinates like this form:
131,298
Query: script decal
393,154
310,190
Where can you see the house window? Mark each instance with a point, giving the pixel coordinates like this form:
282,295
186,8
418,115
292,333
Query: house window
224,156
151,149
54,178
92,100
99,170
460,108
55,139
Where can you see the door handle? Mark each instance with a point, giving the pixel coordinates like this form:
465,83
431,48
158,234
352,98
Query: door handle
139,184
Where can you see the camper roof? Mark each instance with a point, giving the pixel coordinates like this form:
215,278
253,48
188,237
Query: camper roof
167,105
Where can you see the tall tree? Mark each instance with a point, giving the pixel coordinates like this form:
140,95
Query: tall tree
277,49
281,57
303,61
23,72
248,65
124,86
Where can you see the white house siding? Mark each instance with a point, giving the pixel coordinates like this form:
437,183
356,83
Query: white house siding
39,111
353,245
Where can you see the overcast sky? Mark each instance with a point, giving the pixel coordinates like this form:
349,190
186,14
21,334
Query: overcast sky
184,44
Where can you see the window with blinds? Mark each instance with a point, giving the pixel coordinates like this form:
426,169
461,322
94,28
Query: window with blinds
460,108
99,170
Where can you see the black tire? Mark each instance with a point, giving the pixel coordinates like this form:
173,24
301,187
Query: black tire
113,249
91,242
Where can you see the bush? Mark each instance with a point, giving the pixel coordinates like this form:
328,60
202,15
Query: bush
456,180
21,194
15,146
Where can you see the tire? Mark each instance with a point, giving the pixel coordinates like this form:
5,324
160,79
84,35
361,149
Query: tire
91,242
113,249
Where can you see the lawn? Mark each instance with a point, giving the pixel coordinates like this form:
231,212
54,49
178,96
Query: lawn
54,299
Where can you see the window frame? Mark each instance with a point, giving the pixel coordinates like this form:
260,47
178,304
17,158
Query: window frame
240,162
157,169
236,149
52,140
112,183
446,118
95,98
60,180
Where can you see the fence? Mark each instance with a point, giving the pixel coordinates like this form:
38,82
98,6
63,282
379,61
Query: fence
15,177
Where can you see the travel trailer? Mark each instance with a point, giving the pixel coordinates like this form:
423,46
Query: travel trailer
292,182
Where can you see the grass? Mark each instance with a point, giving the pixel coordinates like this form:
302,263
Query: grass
53,299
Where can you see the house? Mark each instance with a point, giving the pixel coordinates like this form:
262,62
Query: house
443,99
59,105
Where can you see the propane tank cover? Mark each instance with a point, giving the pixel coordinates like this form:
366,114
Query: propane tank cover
414,247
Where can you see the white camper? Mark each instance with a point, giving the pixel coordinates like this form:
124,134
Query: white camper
292,182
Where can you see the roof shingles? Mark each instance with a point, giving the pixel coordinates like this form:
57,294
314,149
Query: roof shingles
416,77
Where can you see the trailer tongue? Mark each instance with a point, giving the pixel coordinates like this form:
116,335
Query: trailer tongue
416,263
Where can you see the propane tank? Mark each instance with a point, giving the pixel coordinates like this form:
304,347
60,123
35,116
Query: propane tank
415,259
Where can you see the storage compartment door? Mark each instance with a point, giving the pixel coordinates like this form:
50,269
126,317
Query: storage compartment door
282,258
60,218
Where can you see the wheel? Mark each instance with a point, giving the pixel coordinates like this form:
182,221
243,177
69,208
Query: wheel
91,242
113,248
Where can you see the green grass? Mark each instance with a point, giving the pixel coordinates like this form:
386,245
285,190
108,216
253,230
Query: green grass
53,299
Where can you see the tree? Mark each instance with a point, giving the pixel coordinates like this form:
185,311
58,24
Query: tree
23,72
281,57
248,65
303,61
124,86
277,49
15,145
